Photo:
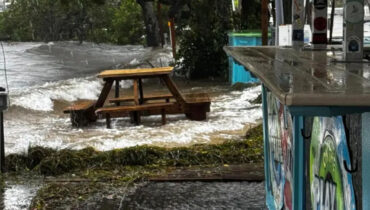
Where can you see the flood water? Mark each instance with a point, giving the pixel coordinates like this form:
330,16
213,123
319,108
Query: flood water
45,78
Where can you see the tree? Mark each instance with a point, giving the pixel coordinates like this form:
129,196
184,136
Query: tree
52,20
151,20
151,23
201,46
128,25
251,14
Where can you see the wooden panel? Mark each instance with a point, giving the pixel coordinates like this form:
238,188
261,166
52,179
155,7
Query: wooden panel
127,73
136,92
104,93
243,172
354,134
146,98
80,106
143,107
168,110
136,115
197,98
173,89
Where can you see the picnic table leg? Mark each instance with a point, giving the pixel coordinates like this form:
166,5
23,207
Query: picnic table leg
116,93
108,121
164,120
136,115
104,94
173,89
141,98
137,118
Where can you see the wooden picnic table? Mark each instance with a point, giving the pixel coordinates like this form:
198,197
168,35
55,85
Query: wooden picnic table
194,106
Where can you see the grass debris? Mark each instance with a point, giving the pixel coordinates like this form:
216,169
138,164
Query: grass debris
46,161
75,177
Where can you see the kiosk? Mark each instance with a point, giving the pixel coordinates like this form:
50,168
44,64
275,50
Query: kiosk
316,110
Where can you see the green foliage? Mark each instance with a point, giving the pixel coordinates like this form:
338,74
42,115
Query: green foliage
15,24
251,14
128,24
201,53
92,20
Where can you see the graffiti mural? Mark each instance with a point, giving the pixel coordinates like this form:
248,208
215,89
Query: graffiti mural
280,153
330,184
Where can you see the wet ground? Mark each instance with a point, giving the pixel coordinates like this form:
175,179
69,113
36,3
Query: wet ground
187,195
18,192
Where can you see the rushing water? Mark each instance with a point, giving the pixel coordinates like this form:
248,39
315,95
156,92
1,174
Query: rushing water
18,194
44,78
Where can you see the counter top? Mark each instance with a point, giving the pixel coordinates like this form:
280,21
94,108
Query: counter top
307,77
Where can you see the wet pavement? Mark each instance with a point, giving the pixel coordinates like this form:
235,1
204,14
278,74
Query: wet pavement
187,195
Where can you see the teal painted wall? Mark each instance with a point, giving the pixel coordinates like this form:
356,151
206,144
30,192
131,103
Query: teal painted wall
366,162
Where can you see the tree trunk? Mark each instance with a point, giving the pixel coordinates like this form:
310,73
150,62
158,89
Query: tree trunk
151,23
287,11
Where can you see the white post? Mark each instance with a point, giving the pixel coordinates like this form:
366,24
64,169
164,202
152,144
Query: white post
279,14
353,30
298,24
319,24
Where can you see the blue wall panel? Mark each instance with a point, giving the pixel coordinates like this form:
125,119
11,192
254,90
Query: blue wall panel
366,161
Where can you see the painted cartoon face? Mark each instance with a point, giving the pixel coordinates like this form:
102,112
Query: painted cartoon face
330,185
329,178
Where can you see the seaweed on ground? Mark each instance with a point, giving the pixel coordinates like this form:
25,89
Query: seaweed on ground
86,174
47,161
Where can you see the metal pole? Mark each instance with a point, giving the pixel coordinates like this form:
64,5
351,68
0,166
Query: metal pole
264,22
173,36
332,21
279,19
353,30
2,146
297,23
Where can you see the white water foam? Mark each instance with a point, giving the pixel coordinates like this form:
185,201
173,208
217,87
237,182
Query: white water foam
40,98
40,74
230,113
19,196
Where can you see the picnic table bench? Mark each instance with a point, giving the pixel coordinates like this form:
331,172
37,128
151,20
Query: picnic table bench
195,106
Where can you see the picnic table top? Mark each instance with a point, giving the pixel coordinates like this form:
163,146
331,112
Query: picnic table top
128,73
307,77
